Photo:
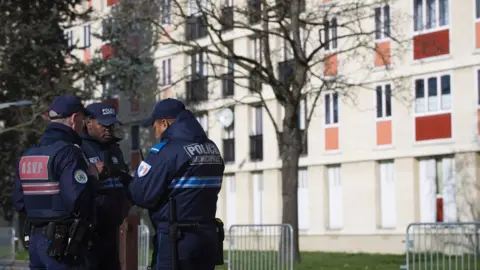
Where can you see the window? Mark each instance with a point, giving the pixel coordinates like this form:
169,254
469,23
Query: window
477,9
87,36
166,11
437,190
382,22
69,37
478,86
230,63
256,120
198,64
335,198
302,114
303,205
229,142
388,205
384,100
432,94
331,108
257,198
231,200
257,49
202,118
135,135
430,14
195,7
166,73
330,35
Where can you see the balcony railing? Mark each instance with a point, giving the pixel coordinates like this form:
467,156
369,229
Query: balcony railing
256,147
285,71
228,85
284,10
197,89
196,28
229,150
227,18
255,82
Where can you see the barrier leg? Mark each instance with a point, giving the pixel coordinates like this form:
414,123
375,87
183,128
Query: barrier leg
128,243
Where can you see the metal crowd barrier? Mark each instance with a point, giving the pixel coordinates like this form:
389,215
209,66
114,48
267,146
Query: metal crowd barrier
442,246
7,247
143,247
259,247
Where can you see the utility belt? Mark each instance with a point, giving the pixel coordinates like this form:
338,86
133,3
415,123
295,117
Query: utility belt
175,228
66,239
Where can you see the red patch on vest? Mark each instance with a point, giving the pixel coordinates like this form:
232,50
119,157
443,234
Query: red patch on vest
33,168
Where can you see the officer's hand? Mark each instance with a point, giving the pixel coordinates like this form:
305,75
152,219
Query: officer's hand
102,171
92,171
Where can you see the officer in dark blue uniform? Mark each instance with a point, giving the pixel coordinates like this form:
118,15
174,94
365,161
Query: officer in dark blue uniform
185,166
55,187
101,147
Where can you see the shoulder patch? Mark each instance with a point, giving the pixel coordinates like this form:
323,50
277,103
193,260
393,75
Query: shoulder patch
143,169
157,147
80,176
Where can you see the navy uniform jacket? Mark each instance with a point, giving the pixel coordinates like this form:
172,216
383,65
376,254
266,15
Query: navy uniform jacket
185,165
52,182
111,196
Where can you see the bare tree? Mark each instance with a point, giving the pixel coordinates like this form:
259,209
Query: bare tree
298,51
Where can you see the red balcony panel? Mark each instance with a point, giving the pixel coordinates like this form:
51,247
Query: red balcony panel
107,51
112,2
433,127
113,102
431,44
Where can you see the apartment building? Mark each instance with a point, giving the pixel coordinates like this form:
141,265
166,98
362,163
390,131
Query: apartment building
367,169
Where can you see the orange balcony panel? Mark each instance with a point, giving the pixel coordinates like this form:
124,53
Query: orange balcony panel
477,35
478,121
431,44
382,54
331,65
112,2
107,51
86,55
113,102
384,132
433,127
89,3
135,159
331,138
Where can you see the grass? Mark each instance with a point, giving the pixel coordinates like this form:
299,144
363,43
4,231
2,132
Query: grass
325,261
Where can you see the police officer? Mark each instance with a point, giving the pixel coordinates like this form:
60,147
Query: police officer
101,147
187,167
55,187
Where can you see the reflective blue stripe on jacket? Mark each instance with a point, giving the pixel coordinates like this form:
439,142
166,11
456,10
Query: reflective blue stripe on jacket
111,196
186,165
51,180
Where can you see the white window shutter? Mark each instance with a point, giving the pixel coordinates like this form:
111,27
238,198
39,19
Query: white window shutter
428,206
335,198
257,198
449,190
231,201
388,195
303,206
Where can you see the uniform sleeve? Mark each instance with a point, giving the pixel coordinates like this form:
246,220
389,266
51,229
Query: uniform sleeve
151,180
17,196
76,189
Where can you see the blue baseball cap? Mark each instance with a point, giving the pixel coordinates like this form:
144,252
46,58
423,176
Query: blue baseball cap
67,105
165,109
105,114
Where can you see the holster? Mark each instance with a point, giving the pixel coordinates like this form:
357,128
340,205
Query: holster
27,229
79,234
57,237
219,260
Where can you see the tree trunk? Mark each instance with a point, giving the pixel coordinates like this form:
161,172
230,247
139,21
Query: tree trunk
290,147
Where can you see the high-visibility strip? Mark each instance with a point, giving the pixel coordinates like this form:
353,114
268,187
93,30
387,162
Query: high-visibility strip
197,182
47,188
111,183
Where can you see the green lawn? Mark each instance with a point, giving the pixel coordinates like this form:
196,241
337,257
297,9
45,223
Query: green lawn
330,261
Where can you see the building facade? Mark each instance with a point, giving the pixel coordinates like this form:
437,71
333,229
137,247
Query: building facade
368,169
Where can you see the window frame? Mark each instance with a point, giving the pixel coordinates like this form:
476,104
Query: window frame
331,123
166,16
87,37
166,72
383,88
253,115
332,32
383,24
201,67
425,78
422,29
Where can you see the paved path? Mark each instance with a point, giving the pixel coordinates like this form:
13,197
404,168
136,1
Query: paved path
19,265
